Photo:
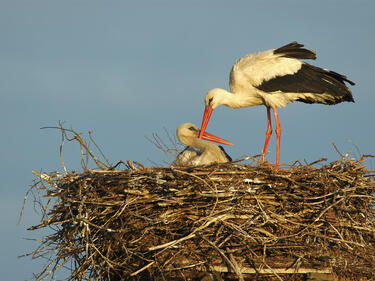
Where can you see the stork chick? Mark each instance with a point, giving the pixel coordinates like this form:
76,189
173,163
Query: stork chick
199,151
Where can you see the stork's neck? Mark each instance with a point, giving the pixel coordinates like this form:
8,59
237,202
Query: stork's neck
202,144
237,99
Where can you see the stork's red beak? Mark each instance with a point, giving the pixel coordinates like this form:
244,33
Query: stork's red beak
210,137
206,136
206,118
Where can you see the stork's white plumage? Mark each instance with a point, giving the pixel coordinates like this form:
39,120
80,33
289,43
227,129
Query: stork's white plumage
275,78
199,152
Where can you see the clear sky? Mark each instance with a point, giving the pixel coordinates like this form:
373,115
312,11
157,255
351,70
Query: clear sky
127,69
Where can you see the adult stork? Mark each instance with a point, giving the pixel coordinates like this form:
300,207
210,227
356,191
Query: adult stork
199,152
275,78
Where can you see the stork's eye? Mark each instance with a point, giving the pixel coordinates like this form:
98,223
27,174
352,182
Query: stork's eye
192,129
210,100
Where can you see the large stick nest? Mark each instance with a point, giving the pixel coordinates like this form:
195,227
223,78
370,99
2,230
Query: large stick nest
173,222
231,220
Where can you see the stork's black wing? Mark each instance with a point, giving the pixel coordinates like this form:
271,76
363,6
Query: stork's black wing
311,79
226,154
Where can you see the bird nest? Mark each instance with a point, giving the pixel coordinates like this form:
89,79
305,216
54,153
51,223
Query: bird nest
229,221
236,219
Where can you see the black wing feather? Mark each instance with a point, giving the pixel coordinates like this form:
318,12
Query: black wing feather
226,154
295,50
311,79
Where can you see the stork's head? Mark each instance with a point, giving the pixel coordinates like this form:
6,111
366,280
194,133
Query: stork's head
187,131
213,99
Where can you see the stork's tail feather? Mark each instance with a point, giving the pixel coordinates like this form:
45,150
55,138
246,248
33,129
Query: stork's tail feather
295,50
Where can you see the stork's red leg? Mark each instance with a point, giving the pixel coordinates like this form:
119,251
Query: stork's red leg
278,134
268,132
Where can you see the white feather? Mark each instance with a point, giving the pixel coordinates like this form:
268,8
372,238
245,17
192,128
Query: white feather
262,66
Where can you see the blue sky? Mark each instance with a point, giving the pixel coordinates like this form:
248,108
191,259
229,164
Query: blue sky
127,69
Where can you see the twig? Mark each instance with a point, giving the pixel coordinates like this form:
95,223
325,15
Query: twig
191,235
233,266
141,269
99,149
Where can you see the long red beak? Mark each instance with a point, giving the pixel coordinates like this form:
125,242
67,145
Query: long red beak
210,137
206,118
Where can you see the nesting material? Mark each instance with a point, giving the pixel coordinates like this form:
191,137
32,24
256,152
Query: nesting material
231,220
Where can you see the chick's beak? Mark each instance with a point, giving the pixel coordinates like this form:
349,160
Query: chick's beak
210,137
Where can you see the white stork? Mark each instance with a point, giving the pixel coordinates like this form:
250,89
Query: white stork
199,152
275,78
